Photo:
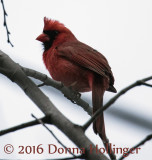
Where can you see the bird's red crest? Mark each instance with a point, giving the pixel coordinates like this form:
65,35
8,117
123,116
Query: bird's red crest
50,24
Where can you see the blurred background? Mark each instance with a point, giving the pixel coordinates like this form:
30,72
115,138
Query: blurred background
121,30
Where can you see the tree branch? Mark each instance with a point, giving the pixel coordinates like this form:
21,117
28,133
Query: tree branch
21,126
112,100
14,72
145,84
5,23
149,137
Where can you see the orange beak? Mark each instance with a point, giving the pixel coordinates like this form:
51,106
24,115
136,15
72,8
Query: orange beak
43,37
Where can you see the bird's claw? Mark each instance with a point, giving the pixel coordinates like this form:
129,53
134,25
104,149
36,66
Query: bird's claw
73,96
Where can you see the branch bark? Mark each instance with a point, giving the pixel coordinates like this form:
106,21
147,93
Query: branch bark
14,72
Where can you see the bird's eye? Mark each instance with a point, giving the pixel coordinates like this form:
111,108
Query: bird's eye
56,32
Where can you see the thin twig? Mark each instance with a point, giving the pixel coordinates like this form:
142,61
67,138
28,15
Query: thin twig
112,100
41,122
18,127
149,137
40,85
146,84
5,23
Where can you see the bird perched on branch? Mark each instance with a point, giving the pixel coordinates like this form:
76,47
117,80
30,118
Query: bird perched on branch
77,66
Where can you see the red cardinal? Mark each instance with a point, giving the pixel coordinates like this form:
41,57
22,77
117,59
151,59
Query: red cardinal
77,66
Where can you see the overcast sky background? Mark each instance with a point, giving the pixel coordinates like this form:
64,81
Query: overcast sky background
121,30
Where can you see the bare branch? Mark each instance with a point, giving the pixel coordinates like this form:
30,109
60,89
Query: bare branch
18,127
5,23
112,100
14,72
144,83
149,137
41,122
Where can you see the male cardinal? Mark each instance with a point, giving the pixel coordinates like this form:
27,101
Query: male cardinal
77,66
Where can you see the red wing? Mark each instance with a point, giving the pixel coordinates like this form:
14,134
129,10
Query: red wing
87,57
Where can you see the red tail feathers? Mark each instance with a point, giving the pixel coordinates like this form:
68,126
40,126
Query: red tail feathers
98,88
